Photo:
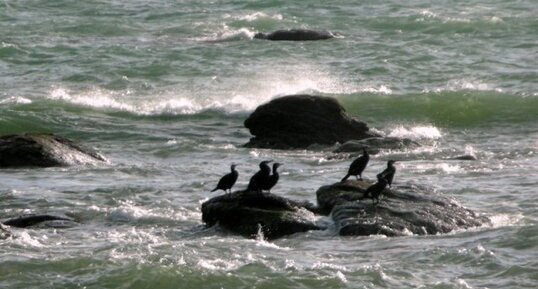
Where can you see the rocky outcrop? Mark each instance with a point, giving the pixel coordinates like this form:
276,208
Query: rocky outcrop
44,150
45,220
374,144
299,121
295,35
408,210
249,214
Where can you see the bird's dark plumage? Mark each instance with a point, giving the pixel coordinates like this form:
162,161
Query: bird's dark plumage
227,181
374,191
357,166
260,179
273,179
388,173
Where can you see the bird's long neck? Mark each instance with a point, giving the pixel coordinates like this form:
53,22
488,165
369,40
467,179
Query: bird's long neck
275,171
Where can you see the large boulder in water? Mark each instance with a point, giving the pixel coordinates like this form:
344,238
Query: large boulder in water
44,150
298,121
250,213
408,210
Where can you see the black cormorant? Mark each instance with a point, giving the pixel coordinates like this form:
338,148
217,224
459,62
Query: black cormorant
373,191
357,166
388,173
227,181
259,180
273,179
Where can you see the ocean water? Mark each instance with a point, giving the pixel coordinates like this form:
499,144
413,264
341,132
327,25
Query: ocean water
161,88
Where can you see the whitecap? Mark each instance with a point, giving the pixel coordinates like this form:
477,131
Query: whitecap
15,100
259,15
416,132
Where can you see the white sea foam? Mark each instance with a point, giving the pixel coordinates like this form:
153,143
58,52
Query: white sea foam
25,239
416,132
463,84
241,93
502,220
257,16
15,100
128,211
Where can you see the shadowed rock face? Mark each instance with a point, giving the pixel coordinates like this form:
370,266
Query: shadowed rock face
43,150
246,213
295,35
299,121
408,210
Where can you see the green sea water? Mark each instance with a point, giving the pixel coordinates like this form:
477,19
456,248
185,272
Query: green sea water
161,88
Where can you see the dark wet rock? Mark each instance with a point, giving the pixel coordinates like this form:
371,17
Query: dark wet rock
43,150
247,213
331,195
463,158
300,121
295,35
375,144
45,220
407,210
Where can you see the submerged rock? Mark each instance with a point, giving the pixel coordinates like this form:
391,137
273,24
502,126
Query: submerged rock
374,144
295,35
299,121
249,213
44,150
463,158
45,220
406,211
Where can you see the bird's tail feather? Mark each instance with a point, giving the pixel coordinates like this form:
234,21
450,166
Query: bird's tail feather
345,178
214,189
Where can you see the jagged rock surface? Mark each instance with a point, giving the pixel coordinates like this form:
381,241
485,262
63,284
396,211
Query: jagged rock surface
44,150
299,121
401,212
247,213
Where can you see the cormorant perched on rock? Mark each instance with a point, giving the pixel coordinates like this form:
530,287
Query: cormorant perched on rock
375,190
388,173
357,166
227,181
260,179
273,179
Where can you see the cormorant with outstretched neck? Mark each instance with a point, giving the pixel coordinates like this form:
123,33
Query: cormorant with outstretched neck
227,181
357,166
273,178
388,173
374,191
260,179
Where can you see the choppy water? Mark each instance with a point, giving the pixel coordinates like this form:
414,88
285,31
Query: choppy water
162,89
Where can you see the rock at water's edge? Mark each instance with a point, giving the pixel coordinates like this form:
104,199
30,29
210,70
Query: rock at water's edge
44,150
406,211
246,213
299,121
